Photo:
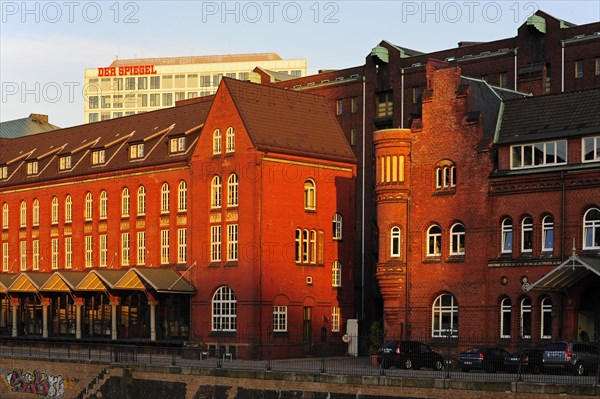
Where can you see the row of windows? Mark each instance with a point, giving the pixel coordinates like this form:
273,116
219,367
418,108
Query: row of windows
444,317
232,243
101,254
578,68
551,153
339,106
229,141
182,203
433,239
232,191
224,313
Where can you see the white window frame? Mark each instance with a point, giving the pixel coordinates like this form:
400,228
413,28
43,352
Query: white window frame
546,318
98,157
141,248
434,241
527,234
54,210
441,312
125,249
215,190
215,243
548,233
54,253
32,168
336,274
232,190
335,319
103,250
217,142
35,259
64,162
35,213
89,207
232,242
5,215
5,256
279,319
125,202
457,239
165,192
310,195
525,318
594,143
177,144
23,260
182,245
89,251
395,242
522,156
136,151
68,253
68,209
230,140
103,207
224,310
23,218
164,246
507,236
591,229
505,311
141,201
182,199
337,226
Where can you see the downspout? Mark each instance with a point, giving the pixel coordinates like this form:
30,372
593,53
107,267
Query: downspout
401,98
563,201
260,259
407,250
362,240
515,77
562,66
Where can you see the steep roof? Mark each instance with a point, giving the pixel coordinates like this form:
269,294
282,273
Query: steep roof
290,122
151,128
33,124
554,115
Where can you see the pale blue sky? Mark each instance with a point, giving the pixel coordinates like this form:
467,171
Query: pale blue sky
45,46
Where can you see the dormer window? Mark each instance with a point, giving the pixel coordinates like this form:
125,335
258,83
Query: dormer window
136,151
176,145
64,163
98,157
32,168
3,172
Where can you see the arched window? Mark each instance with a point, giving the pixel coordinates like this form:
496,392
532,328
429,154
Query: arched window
505,318
216,142
457,239
546,318
298,251
215,189
548,233
309,195
54,210
23,218
182,197
434,241
164,198
337,226
89,206
444,316
68,209
395,240
141,201
224,310
591,229
230,145
232,190
125,202
525,318
445,175
527,234
336,274
103,204
5,216
36,212
313,246
507,234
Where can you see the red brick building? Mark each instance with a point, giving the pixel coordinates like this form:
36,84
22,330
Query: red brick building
465,241
222,220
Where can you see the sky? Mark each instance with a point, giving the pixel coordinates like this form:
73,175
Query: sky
45,46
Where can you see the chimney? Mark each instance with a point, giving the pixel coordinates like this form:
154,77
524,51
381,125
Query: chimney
39,118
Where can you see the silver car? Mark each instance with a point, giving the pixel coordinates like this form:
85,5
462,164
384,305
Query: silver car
574,356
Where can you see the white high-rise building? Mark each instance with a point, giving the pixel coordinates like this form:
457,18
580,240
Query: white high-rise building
133,86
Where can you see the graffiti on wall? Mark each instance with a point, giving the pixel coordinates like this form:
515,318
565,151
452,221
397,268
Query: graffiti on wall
36,382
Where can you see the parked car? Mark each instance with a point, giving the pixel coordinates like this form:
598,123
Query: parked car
525,361
573,356
488,359
409,355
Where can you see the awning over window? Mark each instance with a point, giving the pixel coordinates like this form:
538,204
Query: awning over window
5,281
567,274
29,282
100,280
62,281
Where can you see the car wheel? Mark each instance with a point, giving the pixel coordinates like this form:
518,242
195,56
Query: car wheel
579,369
438,365
408,364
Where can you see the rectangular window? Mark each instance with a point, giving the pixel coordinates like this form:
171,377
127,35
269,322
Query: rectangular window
142,100
192,80
217,79
179,96
539,155
136,151
103,250
503,80
68,253
336,274
164,247
130,83
205,81
98,157
353,137
232,242
154,82
118,84
64,163
105,102
177,144
4,256
23,255
93,117
54,256
167,81
141,248
339,107
385,105
32,168
36,254
416,95
335,319
3,172
167,99
93,102
142,83
279,318
591,149
179,81
354,105
215,243
579,69
181,245
124,249
155,100
118,101
89,251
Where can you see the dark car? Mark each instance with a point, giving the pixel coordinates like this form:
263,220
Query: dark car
525,361
409,355
574,356
488,359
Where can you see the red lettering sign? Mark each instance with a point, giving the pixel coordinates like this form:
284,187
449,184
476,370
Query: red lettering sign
127,70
